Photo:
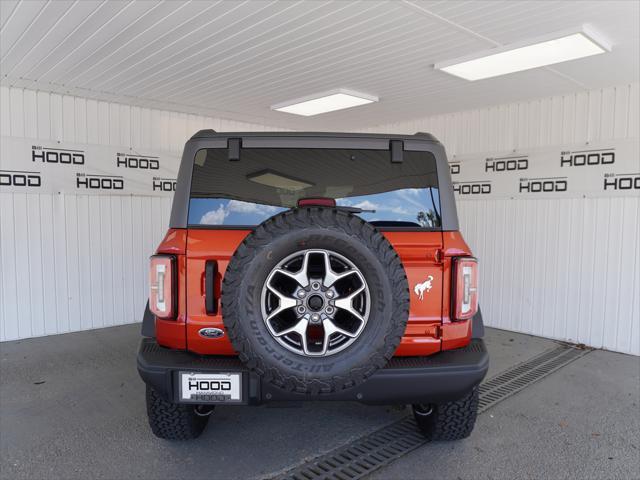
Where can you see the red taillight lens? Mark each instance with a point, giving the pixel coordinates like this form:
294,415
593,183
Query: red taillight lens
162,286
465,299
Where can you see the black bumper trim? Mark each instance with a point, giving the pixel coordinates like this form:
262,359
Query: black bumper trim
438,378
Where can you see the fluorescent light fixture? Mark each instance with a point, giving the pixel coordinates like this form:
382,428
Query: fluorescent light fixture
278,180
548,50
325,102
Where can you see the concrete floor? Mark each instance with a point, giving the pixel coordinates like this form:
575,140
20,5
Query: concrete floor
72,406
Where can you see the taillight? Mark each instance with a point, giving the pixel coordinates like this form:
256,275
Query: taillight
162,286
465,294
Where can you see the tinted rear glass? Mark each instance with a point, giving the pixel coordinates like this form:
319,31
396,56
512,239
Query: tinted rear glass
267,181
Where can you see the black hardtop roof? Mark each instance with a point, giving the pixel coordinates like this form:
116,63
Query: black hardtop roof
391,136
236,141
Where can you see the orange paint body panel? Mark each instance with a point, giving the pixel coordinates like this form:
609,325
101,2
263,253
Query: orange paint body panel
418,252
203,245
426,256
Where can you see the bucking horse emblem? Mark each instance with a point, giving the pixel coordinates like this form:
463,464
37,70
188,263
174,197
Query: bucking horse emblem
425,286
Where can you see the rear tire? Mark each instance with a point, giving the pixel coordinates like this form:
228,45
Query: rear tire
172,421
448,421
335,232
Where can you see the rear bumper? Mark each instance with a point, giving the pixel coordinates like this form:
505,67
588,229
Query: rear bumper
438,378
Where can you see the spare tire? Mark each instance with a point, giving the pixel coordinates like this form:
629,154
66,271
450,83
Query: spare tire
315,300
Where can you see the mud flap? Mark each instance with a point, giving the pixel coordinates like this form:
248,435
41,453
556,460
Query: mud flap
477,326
148,323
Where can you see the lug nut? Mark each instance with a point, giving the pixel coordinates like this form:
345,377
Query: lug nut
315,318
329,293
301,309
329,309
301,293
315,285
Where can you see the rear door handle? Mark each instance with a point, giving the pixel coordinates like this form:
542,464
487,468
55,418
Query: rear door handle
210,300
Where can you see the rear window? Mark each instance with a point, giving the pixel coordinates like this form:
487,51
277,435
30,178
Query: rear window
267,181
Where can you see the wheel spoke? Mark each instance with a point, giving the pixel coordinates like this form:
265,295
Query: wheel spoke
331,277
301,329
284,303
305,345
346,303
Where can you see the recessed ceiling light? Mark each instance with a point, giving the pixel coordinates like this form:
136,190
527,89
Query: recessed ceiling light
278,180
325,102
554,48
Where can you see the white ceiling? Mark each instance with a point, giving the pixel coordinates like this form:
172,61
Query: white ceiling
235,59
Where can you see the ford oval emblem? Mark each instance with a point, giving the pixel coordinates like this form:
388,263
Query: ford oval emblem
211,332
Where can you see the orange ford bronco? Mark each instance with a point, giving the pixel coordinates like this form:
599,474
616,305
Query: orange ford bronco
313,266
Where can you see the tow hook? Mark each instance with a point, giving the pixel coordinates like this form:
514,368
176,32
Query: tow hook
204,410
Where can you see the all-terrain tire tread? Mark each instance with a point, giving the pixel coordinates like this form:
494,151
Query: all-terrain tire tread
451,421
172,421
333,219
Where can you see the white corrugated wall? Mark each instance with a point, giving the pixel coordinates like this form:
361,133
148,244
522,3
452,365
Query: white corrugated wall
76,262
567,269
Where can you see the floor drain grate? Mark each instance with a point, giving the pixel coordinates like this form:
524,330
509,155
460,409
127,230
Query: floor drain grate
521,376
364,455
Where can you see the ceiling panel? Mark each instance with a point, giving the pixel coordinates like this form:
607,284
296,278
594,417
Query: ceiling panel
47,20
20,18
6,9
235,59
84,19
43,46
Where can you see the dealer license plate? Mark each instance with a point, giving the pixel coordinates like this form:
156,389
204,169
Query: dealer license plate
211,387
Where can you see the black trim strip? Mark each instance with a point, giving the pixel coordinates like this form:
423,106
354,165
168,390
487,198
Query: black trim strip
253,227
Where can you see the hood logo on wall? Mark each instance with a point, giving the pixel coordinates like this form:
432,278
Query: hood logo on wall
425,286
57,155
164,184
16,178
99,182
622,181
546,185
506,164
472,188
580,158
141,162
